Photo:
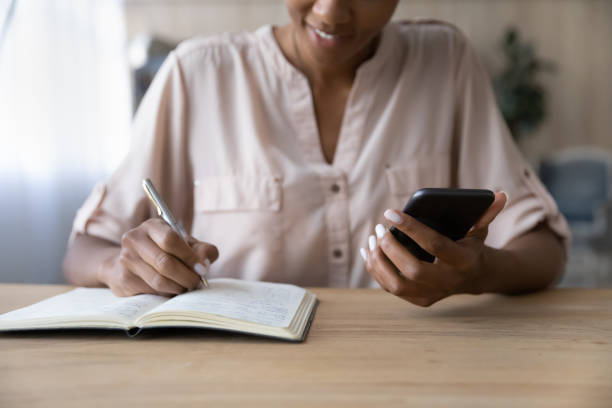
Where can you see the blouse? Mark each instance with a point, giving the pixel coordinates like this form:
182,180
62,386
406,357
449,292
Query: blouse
227,132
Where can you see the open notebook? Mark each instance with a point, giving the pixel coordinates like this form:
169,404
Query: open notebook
260,308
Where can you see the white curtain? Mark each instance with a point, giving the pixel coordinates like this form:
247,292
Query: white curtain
65,113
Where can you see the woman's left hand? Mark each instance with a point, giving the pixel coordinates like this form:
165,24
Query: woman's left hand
459,266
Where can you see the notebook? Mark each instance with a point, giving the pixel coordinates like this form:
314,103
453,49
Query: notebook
260,308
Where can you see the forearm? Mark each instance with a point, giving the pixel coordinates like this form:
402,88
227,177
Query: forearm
85,259
529,263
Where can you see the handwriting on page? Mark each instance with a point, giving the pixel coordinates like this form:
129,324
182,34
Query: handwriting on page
258,302
87,302
129,308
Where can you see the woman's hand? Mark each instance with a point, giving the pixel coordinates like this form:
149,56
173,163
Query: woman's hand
155,259
458,268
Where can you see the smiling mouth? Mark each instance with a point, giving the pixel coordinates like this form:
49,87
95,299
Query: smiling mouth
325,35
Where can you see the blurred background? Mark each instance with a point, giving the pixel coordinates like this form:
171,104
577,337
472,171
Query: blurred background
73,71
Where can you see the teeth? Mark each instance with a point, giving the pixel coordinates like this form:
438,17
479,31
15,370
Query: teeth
323,34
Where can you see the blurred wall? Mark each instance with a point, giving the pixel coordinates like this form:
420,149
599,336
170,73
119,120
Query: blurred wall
576,34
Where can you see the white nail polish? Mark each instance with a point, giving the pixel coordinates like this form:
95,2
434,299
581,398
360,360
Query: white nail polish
507,198
200,269
380,231
372,242
392,216
364,254
207,264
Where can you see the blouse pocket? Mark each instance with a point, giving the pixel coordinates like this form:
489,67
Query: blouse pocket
232,193
242,216
404,180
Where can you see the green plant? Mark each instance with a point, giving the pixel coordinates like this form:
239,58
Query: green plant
521,98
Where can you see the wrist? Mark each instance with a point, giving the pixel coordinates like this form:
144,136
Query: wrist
106,266
490,277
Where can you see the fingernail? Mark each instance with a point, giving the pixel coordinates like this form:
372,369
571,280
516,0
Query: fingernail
507,198
207,264
200,269
380,231
364,254
393,216
372,242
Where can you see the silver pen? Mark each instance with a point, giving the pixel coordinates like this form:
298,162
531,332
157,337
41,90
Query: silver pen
164,212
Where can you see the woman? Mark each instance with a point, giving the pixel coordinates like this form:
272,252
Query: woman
286,146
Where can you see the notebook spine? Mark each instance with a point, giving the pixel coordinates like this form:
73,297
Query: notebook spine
133,331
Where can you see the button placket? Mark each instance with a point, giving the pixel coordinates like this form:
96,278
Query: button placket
338,227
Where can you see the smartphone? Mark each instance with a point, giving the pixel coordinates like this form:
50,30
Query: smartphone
451,212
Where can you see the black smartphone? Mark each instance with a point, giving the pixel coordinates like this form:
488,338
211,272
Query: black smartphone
450,211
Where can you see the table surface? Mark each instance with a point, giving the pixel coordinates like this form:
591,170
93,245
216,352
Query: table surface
366,348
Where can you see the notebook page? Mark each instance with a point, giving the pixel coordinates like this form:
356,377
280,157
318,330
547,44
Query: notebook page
86,302
272,304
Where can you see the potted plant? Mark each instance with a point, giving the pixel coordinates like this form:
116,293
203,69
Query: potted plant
522,100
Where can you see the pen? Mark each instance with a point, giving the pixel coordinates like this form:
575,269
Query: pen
164,212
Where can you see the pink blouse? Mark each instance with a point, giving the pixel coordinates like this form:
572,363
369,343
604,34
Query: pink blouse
228,134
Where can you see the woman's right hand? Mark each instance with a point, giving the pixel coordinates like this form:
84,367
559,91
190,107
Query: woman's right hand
155,259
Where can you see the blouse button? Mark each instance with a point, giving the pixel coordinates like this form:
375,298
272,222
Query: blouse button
335,188
337,253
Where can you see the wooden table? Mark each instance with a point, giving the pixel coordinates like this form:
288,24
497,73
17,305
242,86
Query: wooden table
365,349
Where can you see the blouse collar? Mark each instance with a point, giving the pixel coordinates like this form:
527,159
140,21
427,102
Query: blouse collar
286,70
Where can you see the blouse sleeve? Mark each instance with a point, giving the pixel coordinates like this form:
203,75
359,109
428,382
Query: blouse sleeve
487,157
158,150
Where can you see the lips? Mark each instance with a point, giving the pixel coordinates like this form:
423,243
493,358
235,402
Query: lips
329,33
325,38
325,35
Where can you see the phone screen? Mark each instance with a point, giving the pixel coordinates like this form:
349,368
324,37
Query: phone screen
451,212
